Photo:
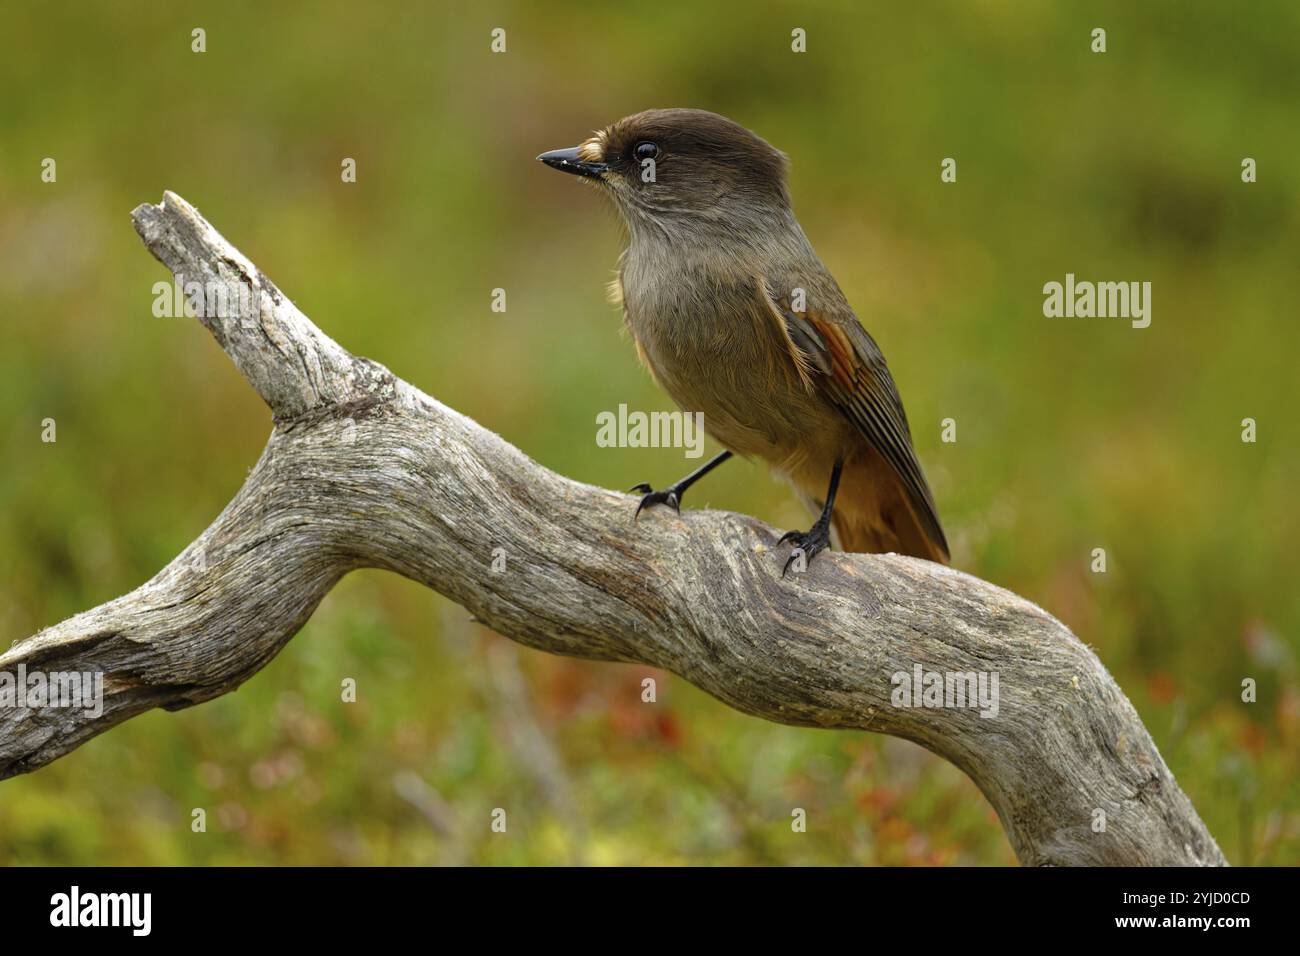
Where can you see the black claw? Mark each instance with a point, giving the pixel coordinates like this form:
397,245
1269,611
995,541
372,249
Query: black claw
651,498
672,496
811,543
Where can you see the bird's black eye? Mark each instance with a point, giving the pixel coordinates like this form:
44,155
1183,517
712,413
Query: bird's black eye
645,150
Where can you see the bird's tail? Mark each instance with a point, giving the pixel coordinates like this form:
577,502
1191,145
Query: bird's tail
909,537
875,516
888,524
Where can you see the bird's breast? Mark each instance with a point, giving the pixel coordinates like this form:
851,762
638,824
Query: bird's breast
711,343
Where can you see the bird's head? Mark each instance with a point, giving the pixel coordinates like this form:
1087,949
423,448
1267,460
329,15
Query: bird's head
678,171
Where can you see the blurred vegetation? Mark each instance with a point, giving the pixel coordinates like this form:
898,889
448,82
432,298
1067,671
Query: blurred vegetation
1073,434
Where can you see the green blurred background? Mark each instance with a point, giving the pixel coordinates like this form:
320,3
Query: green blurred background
1072,434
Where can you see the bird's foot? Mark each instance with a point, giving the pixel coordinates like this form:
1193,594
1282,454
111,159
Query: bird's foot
807,545
670,496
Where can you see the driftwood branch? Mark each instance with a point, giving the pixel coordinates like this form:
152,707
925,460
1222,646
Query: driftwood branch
364,470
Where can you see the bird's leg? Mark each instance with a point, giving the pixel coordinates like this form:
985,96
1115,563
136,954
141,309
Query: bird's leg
818,538
672,495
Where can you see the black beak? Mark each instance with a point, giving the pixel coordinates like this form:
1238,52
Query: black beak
568,161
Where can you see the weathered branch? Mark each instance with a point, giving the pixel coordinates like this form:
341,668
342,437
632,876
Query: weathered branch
364,470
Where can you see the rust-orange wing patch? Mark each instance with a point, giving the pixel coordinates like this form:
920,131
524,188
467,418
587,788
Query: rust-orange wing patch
857,381
844,361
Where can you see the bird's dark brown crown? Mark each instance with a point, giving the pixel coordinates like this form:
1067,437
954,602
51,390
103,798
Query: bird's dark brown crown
696,143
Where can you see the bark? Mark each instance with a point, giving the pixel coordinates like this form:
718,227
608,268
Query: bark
364,470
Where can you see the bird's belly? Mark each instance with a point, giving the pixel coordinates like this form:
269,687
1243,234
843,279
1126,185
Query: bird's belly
750,403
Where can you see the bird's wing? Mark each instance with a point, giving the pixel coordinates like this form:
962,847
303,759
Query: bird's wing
847,366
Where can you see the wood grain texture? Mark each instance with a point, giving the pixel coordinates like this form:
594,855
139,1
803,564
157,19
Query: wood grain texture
364,470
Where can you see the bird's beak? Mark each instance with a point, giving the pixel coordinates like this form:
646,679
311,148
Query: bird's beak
571,161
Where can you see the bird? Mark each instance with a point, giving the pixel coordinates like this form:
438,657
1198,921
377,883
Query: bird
735,316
